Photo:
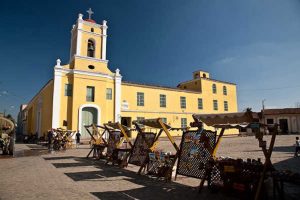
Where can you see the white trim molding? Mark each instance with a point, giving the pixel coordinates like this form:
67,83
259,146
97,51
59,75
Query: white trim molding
91,33
56,96
118,81
81,72
104,39
91,58
80,114
159,112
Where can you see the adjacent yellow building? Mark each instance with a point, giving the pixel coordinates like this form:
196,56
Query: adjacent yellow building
85,91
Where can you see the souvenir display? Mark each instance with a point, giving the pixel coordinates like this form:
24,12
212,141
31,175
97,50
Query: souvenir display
141,147
195,152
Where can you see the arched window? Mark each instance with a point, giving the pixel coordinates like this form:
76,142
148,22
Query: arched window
204,75
214,88
92,30
224,90
91,48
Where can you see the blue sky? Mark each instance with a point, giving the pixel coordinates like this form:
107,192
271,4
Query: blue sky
254,43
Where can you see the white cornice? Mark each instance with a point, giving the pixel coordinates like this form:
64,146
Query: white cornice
161,112
89,58
92,33
81,72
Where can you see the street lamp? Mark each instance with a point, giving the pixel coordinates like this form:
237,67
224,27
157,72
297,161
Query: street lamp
263,114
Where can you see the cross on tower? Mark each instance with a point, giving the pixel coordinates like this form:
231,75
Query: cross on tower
90,12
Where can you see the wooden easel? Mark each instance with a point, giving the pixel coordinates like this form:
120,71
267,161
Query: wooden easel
114,157
99,143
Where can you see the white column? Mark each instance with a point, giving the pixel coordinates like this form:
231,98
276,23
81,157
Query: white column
79,34
104,38
56,95
118,80
71,49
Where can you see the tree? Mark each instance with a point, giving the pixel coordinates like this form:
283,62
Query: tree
10,118
247,109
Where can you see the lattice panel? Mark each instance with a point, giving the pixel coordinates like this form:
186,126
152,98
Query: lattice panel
226,172
195,153
153,166
140,149
215,177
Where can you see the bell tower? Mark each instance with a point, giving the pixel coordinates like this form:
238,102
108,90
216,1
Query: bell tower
88,43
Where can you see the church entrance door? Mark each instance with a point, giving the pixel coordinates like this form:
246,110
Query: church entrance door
89,116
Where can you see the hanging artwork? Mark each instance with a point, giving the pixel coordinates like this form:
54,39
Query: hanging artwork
195,152
114,139
141,149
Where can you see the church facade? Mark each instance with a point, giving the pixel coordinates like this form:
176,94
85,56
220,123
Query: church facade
86,91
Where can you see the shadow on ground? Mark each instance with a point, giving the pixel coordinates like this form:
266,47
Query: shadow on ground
35,150
150,188
292,190
288,149
59,158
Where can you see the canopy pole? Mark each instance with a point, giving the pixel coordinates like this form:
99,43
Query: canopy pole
218,142
168,134
124,133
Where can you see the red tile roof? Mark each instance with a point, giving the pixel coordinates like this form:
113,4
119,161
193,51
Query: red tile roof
282,111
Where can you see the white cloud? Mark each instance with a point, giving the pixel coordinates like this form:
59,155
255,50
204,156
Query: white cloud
226,60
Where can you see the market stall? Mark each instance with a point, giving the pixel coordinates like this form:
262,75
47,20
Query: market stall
144,152
237,175
118,145
7,128
62,139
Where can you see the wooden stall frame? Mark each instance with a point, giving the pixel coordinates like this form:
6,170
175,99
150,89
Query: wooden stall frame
94,148
158,124
113,126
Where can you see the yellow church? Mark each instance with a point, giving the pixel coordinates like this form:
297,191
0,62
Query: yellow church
86,91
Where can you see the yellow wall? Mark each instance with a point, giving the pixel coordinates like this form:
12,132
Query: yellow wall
80,83
173,112
194,85
83,63
87,27
46,97
209,96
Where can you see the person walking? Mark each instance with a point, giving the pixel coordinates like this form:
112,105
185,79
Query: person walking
297,146
78,135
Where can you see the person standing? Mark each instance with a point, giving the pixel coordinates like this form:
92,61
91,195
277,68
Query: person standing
78,135
50,136
297,146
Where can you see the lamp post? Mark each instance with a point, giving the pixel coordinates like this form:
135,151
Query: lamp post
263,114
